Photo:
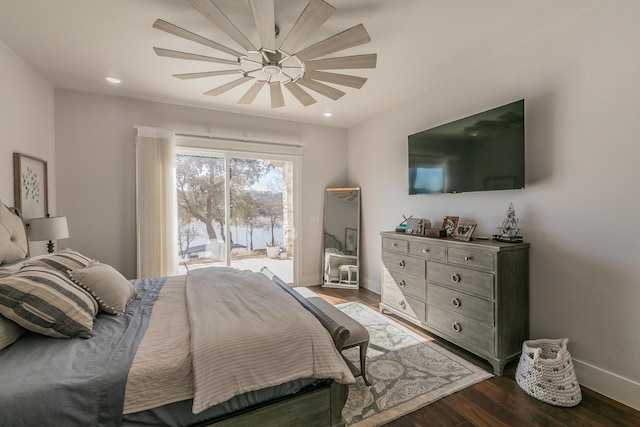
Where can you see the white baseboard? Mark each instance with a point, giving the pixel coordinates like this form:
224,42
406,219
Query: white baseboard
609,384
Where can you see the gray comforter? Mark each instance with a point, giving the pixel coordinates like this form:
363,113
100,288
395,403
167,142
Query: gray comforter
63,382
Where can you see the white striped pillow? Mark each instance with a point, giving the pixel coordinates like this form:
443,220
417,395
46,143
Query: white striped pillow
63,260
46,301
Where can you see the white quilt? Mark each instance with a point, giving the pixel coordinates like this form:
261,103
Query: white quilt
248,334
237,335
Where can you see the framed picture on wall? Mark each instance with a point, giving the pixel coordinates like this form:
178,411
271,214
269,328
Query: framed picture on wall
350,239
30,186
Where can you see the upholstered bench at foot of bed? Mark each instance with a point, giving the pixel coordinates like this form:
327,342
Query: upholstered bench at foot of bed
358,335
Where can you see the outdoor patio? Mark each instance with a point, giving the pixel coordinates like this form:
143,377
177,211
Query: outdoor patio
282,268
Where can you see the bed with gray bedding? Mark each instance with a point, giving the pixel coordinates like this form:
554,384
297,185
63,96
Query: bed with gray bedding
211,348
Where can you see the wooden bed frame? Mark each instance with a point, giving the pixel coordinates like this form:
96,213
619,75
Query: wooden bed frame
318,407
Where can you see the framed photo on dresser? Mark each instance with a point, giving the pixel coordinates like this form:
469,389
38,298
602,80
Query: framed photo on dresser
464,231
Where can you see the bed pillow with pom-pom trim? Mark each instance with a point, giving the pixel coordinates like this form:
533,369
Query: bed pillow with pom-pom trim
110,288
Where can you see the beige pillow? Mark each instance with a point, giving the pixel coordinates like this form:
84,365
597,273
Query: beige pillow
110,288
9,332
14,240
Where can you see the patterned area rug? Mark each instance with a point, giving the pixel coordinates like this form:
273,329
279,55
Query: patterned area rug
406,371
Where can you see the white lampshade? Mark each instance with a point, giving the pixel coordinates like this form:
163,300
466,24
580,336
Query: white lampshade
50,228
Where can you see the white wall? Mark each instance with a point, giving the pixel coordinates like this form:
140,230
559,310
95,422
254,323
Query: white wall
27,123
96,169
582,89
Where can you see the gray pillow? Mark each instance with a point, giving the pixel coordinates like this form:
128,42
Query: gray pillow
47,302
110,288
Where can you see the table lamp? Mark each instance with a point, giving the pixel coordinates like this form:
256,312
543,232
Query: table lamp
49,228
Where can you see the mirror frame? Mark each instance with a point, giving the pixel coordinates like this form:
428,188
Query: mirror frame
329,193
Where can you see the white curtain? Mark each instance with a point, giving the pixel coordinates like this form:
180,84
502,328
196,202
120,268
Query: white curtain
156,210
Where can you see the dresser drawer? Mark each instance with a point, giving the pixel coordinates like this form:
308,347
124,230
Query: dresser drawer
463,279
461,329
407,284
409,265
427,250
472,258
458,302
393,296
396,245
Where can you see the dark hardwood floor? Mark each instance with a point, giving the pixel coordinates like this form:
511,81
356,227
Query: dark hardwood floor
498,401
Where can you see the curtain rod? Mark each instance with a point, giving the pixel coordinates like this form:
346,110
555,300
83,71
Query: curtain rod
219,138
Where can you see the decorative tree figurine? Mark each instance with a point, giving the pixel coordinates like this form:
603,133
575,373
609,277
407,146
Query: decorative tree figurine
509,231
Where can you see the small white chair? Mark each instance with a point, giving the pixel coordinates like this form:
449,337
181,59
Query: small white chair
348,274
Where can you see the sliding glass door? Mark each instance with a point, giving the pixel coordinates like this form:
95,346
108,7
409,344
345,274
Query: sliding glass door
235,210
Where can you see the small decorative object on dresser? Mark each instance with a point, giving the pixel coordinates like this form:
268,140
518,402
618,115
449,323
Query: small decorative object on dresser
509,230
417,226
450,223
464,231
435,232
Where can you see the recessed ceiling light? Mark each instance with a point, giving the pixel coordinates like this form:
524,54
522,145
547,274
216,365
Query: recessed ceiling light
327,114
113,80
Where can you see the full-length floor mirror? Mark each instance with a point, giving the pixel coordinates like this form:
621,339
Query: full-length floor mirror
340,261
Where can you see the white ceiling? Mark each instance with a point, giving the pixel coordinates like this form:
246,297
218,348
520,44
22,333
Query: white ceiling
74,44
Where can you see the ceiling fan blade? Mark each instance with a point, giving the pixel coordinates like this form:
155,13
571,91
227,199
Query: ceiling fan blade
251,94
264,16
277,99
226,87
354,36
302,96
188,76
342,63
184,55
321,88
215,15
339,79
181,32
314,15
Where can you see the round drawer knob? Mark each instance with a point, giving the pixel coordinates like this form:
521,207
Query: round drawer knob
455,277
402,283
468,258
395,245
456,326
403,304
425,251
455,302
401,264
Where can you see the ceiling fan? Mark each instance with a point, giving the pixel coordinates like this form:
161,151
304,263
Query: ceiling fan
275,64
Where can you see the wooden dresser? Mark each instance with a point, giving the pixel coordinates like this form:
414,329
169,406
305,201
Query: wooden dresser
473,294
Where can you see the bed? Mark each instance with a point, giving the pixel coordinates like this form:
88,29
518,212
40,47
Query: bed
214,347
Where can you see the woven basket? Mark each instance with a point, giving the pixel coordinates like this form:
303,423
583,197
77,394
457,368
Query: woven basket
545,371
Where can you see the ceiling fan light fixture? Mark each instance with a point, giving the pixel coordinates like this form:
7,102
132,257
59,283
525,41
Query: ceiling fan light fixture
272,70
278,64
